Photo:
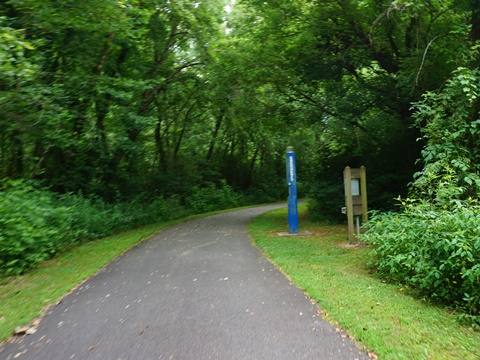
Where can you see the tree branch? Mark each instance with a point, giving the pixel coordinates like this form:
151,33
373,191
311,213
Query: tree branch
424,57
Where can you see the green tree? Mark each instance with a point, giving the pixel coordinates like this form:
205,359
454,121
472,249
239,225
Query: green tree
356,67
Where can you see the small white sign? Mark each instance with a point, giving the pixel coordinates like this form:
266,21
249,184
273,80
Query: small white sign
355,187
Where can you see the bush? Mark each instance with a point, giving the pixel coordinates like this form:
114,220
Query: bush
435,251
211,197
32,228
95,218
326,201
267,191
36,223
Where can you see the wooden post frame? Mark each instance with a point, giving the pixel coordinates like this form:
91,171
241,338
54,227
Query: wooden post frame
363,193
356,203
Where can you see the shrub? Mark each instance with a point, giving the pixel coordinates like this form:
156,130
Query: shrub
326,201
32,228
94,218
449,122
211,197
36,223
435,251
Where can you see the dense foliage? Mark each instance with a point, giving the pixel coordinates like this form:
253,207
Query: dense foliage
450,124
432,245
119,98
120,113
433,251
36,223
350,71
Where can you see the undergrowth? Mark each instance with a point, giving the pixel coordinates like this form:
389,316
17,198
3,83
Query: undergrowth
434,251
36,223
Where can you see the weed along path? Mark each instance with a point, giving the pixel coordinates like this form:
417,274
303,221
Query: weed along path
198,290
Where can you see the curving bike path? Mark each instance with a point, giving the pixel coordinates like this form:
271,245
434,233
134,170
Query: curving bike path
198,290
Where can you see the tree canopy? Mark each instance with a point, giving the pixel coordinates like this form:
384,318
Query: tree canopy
123,97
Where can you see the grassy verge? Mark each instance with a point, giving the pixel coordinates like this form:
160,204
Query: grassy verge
23,298
380,316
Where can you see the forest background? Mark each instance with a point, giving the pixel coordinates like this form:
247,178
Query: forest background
119,113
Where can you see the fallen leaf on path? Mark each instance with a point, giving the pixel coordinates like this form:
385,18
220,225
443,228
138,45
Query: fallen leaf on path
28,329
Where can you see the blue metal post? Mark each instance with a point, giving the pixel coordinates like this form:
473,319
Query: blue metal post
292,187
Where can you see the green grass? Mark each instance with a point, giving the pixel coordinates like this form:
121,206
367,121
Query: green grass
380,317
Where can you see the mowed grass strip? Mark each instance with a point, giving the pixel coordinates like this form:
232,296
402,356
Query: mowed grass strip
380,317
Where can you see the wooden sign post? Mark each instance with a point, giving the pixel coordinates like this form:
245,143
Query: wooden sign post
355,199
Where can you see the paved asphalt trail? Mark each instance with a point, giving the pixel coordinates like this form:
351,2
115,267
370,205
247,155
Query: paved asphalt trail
198,290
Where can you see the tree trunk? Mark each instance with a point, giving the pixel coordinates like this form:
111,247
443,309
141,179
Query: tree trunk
15,167
160,146
218,125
